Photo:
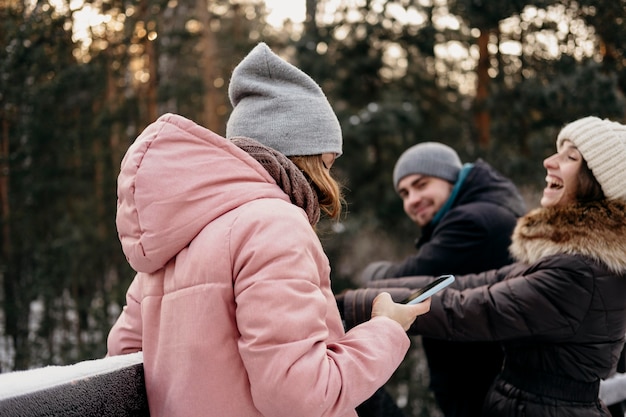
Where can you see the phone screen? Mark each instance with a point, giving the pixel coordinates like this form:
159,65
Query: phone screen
430,289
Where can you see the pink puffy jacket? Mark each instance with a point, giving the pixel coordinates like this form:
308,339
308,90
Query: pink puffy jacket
232,304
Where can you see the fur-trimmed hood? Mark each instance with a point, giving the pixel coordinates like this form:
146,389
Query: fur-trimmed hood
596,230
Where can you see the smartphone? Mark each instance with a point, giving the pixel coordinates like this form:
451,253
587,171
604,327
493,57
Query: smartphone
425,292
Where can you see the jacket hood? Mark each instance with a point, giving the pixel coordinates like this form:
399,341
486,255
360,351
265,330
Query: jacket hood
485,184
596,230
176,178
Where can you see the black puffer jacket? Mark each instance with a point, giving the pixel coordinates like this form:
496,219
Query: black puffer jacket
560,311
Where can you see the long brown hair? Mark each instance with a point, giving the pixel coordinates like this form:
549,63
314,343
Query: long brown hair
328,190
589,189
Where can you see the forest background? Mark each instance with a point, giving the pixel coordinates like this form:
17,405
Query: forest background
493,79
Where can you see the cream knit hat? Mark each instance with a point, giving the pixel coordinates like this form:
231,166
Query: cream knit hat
280,106
603,145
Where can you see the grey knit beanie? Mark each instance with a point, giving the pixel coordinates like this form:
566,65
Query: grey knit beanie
603,145
428,158
280,106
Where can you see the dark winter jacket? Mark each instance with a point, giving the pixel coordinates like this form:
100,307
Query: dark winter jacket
472,236
560,311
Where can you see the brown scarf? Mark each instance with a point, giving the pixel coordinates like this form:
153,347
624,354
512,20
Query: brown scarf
286,174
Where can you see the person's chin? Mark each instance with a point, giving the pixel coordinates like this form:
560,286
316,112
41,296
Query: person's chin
423,220
550,198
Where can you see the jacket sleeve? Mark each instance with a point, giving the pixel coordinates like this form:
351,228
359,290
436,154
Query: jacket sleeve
126,334
378,270
462,282
292,341
356,304
546,302
461,242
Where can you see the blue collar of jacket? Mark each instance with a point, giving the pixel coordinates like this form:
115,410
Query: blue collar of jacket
455,191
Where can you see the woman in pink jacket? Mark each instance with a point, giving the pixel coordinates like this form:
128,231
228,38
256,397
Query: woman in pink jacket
232,303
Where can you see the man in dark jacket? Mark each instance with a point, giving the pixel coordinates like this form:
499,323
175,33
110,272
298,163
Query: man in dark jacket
467,214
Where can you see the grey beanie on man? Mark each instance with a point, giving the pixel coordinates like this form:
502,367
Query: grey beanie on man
428,158
280,106
603,145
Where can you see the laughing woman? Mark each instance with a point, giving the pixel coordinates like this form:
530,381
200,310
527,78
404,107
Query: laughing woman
560,311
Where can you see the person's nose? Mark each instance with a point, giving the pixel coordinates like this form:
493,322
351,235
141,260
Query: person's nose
550,162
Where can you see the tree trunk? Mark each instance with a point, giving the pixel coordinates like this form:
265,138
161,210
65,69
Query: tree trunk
209,71
481,112
310,24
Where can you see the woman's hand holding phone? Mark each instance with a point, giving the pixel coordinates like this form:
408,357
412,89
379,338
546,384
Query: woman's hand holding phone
404,314
416,304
